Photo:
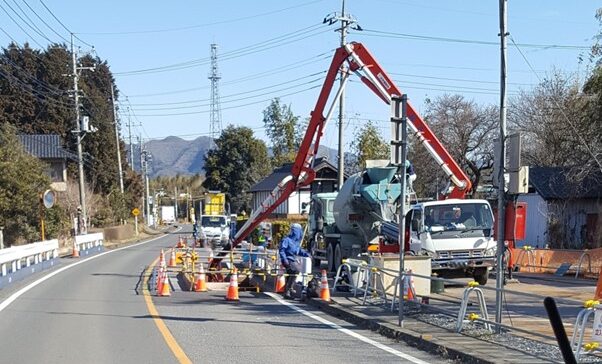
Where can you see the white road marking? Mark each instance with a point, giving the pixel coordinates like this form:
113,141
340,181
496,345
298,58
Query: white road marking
23,290
347,331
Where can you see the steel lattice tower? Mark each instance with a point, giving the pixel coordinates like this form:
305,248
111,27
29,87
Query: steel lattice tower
215,117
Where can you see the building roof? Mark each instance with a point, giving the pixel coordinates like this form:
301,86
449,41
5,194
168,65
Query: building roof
45,146
561,183
271,181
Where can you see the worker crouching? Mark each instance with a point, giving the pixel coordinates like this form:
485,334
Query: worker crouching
290,252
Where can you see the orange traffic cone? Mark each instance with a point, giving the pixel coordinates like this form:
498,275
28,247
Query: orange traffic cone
324,290
164,291
75,250
409,288
162,259
172,258
232,294
280,283
160,275
200,284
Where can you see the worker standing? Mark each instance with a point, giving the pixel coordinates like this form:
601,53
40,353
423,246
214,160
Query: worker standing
290,252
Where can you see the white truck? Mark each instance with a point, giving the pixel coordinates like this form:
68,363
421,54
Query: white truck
457,235
214,224
168,214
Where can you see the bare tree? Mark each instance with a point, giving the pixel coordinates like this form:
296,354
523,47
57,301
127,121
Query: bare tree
466,130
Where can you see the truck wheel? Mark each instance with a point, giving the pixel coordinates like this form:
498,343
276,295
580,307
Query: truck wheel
337,257
330,257
480,275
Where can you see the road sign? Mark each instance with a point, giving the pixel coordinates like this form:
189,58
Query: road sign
135,211
48,198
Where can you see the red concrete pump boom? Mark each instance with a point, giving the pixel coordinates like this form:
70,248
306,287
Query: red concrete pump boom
362,63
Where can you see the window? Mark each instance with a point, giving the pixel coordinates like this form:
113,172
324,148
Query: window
213,221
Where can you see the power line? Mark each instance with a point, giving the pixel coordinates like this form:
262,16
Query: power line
457,79
250,49
20,27
295,65
234,106
44,22
237,99
28,22
386,34
167,30
64,26
567,119
238,93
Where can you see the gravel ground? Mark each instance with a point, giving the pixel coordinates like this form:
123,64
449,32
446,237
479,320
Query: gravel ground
506,338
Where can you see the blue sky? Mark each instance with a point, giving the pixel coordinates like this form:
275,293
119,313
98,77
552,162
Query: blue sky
272,48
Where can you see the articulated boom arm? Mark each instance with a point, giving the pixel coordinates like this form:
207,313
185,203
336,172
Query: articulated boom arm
360,62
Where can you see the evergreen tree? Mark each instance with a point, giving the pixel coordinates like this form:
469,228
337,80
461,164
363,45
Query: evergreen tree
283,129
367,143
22,181
238,161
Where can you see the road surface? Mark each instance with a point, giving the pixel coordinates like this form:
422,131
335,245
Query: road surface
94,311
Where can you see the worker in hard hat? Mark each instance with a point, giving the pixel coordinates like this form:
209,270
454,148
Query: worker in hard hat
289,251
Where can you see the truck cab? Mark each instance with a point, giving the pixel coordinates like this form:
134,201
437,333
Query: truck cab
214,230
321,222
457,234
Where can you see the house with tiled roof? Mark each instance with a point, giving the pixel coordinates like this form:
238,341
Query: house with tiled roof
325,181
49,149
563,210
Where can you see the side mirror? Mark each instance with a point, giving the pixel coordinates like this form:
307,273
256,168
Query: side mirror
304,205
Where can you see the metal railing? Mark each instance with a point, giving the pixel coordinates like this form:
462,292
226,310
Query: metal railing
589,264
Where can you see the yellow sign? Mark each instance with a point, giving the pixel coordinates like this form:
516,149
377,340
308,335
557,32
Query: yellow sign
135,211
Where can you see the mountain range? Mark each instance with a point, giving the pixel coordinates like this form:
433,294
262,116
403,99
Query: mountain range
173,155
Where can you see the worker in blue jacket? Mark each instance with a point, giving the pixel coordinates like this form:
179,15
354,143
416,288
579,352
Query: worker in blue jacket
289,251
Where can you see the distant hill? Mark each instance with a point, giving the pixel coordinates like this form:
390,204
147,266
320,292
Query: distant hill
174,155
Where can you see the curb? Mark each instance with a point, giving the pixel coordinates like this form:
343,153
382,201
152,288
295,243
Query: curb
412,338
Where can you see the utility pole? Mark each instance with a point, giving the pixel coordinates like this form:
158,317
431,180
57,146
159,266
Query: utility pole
501,213
117,138
175,201
143,173
130,139
79,135
347,21
215,113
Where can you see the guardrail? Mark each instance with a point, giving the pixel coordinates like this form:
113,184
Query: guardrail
14,258
88,242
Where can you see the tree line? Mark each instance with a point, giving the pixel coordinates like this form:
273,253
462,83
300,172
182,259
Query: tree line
35,98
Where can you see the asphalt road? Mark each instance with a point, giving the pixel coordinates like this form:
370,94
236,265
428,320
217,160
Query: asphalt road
94,311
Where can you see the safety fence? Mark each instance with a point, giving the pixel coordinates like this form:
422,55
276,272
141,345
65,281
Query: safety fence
89,243
533,260
20,261
523,313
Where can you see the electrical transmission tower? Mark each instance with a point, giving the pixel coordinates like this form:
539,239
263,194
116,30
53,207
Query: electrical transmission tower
215,114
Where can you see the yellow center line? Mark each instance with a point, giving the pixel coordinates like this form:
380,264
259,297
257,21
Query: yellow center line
171,342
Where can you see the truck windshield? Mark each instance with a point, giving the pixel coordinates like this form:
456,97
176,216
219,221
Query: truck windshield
213,221
469,218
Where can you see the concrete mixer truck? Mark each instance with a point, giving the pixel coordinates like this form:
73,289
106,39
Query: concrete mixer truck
457,234
370,197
